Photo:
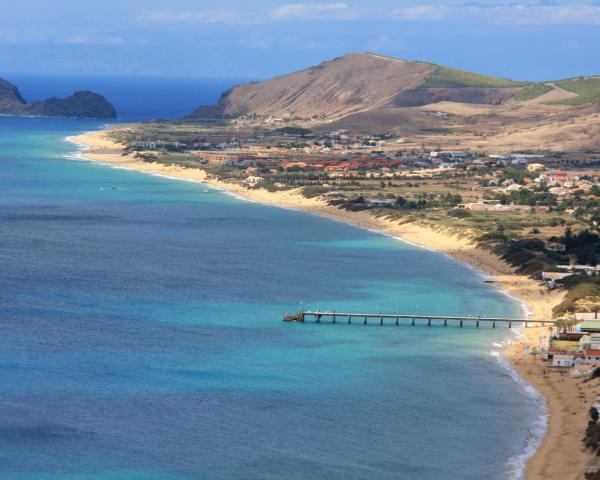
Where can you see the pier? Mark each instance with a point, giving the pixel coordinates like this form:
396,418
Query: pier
381,319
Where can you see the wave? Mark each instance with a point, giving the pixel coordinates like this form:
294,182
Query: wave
517,464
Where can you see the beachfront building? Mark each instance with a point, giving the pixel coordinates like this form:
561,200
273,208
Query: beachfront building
590,326
563,360
381,203
567,342
591,356
253,181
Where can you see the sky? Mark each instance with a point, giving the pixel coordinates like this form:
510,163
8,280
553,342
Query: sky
519,39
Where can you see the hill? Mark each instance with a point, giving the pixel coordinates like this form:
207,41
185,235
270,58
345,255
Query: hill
357,83
81,104
421,104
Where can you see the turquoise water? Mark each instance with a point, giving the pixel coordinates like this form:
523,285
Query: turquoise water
142,337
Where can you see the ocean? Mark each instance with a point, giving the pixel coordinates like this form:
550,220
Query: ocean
142,335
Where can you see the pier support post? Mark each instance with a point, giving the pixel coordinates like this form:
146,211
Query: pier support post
333,318
413,322
318,318
397,321
366,320
445,322
349,319
381,321
526,325
509,324
461,323
477,323
494,324
429,322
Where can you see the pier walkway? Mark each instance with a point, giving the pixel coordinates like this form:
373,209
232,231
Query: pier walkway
318,316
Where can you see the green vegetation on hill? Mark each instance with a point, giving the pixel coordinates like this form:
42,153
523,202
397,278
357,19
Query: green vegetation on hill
294,131
586,88
534,90
445,77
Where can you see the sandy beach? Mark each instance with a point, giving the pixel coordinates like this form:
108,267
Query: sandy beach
561,455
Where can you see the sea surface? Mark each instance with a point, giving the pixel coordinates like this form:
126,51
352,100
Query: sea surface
142,337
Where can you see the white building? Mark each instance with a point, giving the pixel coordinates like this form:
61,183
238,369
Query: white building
563,360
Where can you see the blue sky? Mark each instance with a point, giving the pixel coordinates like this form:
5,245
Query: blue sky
521,39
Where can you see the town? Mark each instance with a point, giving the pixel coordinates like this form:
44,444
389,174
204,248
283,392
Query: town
537,210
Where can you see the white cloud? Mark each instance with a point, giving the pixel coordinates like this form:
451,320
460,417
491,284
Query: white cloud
541,14
491,14
288,12
85,39
321,11
65,39
220,15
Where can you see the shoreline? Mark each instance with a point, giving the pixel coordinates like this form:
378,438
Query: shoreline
559,453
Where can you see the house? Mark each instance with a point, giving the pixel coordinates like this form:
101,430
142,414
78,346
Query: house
590,270
555,276
590,326
253,181
515,187
553,177
567,342
459,155
380,203
535,167
591,356
554,279
590,342
555,247
563,360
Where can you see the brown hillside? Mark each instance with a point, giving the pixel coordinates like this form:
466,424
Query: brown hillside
333,89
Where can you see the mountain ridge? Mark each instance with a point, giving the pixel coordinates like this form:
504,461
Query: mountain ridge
359,82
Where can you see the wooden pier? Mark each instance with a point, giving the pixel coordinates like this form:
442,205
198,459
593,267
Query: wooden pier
409,319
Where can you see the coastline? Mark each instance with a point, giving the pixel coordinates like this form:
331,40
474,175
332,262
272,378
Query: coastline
560,454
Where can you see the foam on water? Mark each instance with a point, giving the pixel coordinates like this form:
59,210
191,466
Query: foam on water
537,427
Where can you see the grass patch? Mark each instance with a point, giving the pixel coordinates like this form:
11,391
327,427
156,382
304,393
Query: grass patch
534,90
445,77
586,88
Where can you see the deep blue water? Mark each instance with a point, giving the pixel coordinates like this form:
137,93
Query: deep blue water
142,337
134,98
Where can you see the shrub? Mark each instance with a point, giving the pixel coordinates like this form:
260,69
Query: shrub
459,213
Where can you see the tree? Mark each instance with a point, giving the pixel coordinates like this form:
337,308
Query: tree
586,255
569,240
566,324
